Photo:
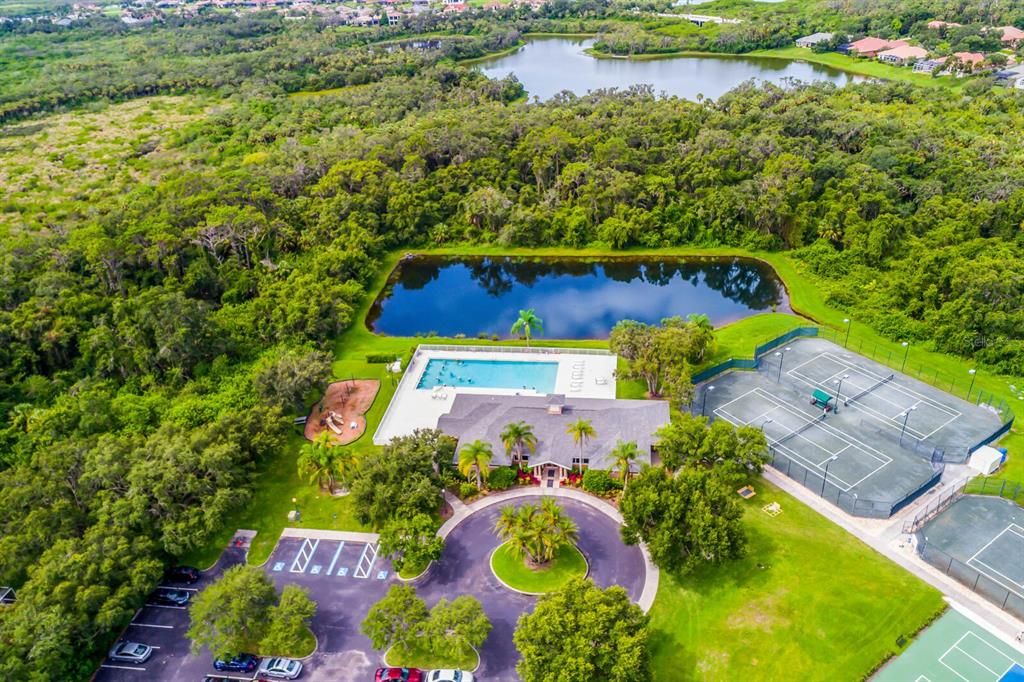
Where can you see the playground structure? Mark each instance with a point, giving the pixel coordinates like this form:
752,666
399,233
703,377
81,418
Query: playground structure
342,410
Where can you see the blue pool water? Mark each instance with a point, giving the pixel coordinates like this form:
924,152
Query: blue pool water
533,376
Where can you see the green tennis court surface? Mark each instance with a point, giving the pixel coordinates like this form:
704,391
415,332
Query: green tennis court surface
955,649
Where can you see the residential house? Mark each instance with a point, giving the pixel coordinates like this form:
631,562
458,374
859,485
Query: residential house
1012,77
814,39
929,65
902,55
975,59
870,46
1011,35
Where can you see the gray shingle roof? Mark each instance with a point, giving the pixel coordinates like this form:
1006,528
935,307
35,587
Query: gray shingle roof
483,417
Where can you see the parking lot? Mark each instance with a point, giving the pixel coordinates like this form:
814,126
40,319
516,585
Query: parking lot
344,574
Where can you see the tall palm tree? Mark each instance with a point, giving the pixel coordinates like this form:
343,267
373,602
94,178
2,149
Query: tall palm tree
318,461
581,431
623,455
535,532
527,324
517,437
475,459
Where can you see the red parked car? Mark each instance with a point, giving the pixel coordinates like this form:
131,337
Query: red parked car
398,675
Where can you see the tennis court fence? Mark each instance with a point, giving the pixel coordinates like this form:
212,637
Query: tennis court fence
971,577
934,508
851,503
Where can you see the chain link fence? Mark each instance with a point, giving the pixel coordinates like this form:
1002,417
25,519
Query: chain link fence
979,582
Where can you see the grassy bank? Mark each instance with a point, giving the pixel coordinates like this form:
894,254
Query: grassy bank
808,602
864,67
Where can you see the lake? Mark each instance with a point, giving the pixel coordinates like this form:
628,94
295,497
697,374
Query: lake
547,66
576,298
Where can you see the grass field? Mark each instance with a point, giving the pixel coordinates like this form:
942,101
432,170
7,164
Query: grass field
511,570
808,602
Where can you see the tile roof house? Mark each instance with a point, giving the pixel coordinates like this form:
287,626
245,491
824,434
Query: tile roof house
972,58
870,46
904,54
475,416
1011,34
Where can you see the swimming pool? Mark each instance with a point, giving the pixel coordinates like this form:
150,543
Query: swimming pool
532,376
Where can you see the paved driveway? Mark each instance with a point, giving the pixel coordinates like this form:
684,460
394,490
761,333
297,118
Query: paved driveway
347,576
464,568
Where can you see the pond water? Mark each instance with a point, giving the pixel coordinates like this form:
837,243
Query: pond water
547,66
576,298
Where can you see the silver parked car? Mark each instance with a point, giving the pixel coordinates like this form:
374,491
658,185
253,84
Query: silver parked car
131,652
450,676
281,668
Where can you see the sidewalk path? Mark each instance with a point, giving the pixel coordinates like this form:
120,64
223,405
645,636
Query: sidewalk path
887,538
461,511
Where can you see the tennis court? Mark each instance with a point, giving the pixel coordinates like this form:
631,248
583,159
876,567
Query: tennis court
980,542
877,396
955,649
877,446
809,439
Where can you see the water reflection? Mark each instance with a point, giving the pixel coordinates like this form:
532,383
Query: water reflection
577,298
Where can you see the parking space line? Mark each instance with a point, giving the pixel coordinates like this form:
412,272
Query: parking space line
150,625
304,556
334,560
175,587
369,555
161,606
122,667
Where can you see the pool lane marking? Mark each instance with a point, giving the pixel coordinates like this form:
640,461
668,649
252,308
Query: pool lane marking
334,560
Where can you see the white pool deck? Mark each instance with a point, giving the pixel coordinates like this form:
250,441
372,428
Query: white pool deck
579,372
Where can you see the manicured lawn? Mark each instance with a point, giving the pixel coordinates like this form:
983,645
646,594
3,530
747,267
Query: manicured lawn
513,571
267,511
808,602
864,67
420,657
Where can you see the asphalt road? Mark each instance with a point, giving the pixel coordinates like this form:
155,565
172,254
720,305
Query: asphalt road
347,578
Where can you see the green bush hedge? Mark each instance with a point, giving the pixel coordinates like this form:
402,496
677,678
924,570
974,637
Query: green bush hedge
599,481
382,358
501,478
467,490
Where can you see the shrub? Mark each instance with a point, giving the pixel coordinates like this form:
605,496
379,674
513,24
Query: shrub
501,478
599,481
381,358
467,490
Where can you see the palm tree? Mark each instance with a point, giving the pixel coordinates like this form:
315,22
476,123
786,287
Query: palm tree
475,459
516,437
534,532
318,461
346,463
581,431
623,455
528,323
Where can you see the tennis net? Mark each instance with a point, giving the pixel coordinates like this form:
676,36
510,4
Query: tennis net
797,431
867,390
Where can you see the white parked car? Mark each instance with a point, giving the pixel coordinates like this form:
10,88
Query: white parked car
281,668
450,676
131,652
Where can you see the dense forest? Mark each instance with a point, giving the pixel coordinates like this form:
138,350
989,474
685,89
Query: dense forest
149,336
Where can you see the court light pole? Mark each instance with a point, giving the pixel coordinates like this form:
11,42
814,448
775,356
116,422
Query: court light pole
906,416
906,352
848,324
782,355
766,421
839,390
704,401
974,375
825,479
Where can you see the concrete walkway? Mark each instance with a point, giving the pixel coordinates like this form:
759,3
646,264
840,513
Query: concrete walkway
886,537
461,511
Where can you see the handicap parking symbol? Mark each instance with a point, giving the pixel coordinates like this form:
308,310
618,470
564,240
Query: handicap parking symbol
279,566
315,570
382,575
343,571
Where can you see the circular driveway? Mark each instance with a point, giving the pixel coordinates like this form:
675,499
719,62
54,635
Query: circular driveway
464,568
